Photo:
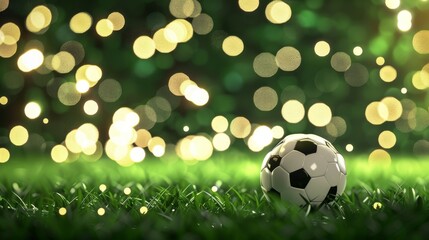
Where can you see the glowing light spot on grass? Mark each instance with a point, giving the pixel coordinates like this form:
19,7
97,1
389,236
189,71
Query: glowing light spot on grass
221,141
319,114
232,46
288,59
293,111
349,147
240,127
341,61
392,4
377,205
265,98
59,153
380,61
278,12
4,155
265,65
137,154
182,8
127,191
202,24
322,48
18,135
117,19
277,132
11,33
4,4
4,100
387,139
38,19
30,60
214,188
80,22
357,51
404,90
101,211
104,27
248,5
90,107
420,42
376,113
102,187
404,20
62,211
388,73
32,110
380,157
143,210
394,108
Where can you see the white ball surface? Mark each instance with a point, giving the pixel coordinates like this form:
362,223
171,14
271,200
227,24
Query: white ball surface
304,169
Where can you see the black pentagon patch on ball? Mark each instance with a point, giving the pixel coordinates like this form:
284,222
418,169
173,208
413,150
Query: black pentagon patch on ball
273,162
299,178
306,146
331,194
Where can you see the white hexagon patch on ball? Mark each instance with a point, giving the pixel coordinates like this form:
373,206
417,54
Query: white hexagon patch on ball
304,169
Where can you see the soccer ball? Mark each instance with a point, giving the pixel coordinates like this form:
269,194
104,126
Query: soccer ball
304,169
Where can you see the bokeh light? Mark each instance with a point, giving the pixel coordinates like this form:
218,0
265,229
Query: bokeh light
59,153
240,127
288,59
265,98
18,135
202,24
319,114
62,211
265,65
117,19
4,155
380,157
30,60
420,40
80,22
219,124
322,48
341,61
232,46
221,141
248,5
278,12
104,27
388,73
32,110
293,111
90,107
387,139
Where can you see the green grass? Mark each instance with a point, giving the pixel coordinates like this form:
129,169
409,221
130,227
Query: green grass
182,204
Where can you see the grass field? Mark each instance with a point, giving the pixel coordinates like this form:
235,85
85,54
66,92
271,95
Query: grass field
218,198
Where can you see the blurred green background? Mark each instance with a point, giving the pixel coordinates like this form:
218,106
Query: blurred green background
231,75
